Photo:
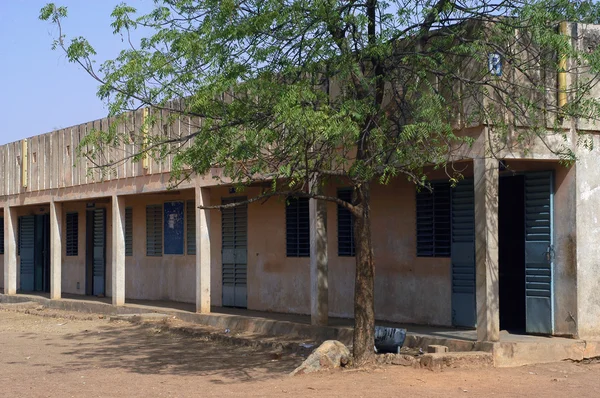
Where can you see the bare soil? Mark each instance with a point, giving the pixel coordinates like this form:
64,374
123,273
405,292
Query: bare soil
59,354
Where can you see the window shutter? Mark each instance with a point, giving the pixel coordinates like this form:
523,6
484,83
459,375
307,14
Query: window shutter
154,230
297,227
345,225
442,204
128,231
433,221
1,235
191,227
72,234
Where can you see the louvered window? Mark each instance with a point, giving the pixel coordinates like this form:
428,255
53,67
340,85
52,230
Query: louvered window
1,235
345,225
154,230
128,231
72,234
297,227
191,226
433,221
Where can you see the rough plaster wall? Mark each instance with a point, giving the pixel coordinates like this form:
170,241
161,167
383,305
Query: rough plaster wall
73,267
169,277
588,249
409,289
565,247
275,282
588,40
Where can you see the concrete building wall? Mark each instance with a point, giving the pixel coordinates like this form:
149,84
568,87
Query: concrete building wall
168,277
587,193
408,288
73,276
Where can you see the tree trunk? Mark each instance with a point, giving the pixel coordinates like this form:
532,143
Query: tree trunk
364,304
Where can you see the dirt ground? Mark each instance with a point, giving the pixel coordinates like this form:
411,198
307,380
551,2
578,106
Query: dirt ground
70,356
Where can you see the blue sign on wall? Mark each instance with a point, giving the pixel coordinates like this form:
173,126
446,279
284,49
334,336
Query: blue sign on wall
173,228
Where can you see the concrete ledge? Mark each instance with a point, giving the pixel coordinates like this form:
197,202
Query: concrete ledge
511,353
524,353
261,326
473,359
592,349
454,345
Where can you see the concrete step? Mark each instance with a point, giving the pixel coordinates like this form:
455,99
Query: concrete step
472,360
137,318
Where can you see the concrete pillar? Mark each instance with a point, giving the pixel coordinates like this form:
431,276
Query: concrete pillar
56,228
486,175
203,256
118,250
319,287
10,250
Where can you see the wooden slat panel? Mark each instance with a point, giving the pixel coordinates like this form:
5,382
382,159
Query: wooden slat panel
18,187
74,164
111,173
46,163
9,159
2,163
66,145
128,126
155,131
114,153
54,160
138,167
34,175
85,175
94,174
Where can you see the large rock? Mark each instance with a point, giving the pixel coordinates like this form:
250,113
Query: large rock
330,355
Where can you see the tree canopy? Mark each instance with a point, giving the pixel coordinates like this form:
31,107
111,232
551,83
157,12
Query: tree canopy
300,91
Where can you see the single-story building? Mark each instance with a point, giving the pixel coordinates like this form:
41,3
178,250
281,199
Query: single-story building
511,246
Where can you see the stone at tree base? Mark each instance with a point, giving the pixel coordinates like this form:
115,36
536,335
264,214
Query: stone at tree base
398,359
434,349
330,355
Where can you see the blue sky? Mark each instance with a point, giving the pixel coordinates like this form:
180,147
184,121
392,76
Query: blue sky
40,90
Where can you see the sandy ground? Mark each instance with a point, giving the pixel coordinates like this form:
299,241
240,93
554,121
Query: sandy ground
73,357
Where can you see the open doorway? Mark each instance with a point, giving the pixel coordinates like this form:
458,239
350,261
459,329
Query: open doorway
511,245
34,249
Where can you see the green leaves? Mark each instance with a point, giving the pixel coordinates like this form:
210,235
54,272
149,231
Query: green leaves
290,89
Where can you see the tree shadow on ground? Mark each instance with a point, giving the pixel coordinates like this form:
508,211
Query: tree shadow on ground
149,349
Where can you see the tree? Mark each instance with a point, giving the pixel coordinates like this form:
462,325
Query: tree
300,92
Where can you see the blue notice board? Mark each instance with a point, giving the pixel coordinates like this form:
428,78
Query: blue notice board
173,228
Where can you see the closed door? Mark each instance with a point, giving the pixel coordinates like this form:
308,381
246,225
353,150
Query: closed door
96,252
464,312
27,253
539,252
234,223
42,253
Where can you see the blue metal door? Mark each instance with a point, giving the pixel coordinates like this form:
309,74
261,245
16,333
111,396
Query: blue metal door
27,251
234,254
99,260
464,312
539,252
